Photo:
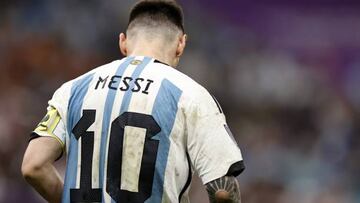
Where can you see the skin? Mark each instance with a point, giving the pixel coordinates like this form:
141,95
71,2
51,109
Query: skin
140,43
224,190
39,171
37,167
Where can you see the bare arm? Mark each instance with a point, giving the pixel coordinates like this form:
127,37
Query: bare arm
224,190
38,170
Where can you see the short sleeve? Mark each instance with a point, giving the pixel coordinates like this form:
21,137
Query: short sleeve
211,147
52,125
54,122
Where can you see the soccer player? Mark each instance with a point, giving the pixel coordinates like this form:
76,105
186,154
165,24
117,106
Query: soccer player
136,129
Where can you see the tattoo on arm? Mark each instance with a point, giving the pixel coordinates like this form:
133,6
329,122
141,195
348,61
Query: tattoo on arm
228,186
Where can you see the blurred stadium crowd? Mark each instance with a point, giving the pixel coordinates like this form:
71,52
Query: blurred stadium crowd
286,74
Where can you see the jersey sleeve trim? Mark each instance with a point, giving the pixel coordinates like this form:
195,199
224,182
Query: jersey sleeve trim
236,169
42,134
222,171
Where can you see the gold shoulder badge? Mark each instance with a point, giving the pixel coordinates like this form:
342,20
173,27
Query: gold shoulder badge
135,62
49,122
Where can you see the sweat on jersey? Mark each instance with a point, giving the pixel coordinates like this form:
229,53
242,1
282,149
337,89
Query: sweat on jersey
135,130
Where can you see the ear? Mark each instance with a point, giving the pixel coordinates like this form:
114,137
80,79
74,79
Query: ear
122,44
181,45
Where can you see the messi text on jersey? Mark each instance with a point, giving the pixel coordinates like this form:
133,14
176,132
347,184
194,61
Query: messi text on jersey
118,82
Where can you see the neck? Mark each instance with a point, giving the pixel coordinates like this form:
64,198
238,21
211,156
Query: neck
159,55
154,47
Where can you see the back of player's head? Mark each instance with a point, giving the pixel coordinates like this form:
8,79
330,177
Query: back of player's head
156,14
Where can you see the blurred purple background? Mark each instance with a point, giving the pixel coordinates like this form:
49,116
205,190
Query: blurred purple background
287,74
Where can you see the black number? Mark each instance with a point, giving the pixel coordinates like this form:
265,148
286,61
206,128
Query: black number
148,160
85,193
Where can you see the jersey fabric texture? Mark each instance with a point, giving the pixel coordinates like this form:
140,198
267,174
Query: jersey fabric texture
135,130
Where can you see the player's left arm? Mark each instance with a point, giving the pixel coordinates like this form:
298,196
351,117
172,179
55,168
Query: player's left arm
38,169
213,151
224,189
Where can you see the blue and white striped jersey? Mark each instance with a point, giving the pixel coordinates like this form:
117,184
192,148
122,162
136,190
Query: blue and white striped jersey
134,130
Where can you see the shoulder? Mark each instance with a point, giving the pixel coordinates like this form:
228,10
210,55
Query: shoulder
188,86
63,93
66,87
194,95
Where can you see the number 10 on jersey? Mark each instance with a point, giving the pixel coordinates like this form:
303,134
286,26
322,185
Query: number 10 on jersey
115,153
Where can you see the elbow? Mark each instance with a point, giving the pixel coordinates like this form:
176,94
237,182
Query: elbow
222,196
30,170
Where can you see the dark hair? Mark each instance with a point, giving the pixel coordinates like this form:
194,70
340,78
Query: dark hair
158,12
